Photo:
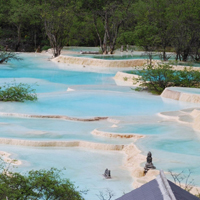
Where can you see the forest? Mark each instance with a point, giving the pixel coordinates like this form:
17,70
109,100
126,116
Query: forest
153,25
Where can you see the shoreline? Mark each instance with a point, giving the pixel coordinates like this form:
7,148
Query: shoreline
140,62
92,62
105,63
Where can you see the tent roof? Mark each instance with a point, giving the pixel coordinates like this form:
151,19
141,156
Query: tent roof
159,189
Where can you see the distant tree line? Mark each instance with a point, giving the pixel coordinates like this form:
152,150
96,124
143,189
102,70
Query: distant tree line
156,25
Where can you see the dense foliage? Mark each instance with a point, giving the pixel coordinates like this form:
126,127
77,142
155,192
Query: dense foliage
157,78
164,25
17,92
37,184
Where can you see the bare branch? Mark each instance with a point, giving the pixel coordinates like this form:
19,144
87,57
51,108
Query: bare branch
107,195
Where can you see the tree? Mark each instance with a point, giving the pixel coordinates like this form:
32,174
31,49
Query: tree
152,30
20,25
157,78
19,16
156,25
5,56
36,184
186,28
58,19
108,17
17,92
106,195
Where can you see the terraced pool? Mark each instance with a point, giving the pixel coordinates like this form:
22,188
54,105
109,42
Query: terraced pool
92,94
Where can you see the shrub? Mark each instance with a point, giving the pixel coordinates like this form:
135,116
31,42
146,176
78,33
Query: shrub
125,78
157,78
45,48
17,92
138,89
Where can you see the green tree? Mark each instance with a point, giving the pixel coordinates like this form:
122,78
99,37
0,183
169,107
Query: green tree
21,27
37,184
17,92
157,78
58,19
19,16
108,17
185,27
152,30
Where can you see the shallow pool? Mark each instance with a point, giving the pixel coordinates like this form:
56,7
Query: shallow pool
123,56
85,94
83,167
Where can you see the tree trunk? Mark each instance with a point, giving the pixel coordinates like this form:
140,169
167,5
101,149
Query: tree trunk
95,25
19,37
185,54
105,44
56,51
1,61
178,55
35,39
111,50
112,47
164,55
197,55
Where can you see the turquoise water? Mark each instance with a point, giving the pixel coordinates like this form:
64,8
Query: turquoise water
53,129
175,147
78,49
124,56
38,67
94,94
91,104
129,56
83,167
175,150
